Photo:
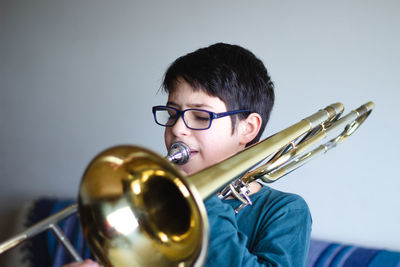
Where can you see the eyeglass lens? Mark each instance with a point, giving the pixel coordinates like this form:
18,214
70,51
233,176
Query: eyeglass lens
195,119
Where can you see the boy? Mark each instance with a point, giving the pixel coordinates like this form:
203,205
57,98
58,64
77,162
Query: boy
231,82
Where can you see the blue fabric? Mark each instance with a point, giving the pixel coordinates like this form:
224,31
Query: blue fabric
316,249
326,255
386,258
360,257
36,249
274,231
330,254
44,249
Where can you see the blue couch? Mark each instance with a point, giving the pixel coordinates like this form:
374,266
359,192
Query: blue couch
44,250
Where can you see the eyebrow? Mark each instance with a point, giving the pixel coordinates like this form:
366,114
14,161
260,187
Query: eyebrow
194,105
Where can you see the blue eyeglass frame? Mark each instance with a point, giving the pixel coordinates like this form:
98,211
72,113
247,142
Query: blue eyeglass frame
180,113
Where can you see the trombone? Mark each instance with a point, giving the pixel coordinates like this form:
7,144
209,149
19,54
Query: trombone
136,208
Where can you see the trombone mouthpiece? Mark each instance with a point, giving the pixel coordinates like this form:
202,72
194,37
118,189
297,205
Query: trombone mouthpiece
178,153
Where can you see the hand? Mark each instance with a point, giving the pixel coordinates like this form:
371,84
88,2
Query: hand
86,263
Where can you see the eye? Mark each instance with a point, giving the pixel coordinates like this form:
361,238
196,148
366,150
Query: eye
200,116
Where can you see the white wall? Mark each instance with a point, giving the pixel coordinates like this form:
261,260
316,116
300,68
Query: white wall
80,76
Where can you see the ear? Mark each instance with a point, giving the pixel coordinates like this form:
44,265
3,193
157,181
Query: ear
249,128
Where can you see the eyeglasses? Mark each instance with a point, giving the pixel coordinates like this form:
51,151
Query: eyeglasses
195,119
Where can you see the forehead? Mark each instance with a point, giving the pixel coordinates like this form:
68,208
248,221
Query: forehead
184,96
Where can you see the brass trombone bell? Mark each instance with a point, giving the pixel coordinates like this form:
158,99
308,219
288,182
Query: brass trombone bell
136,210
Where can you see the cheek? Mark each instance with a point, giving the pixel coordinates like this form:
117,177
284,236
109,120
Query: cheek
219,143
216,150
167,138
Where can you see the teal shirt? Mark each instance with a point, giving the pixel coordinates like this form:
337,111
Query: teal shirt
274,231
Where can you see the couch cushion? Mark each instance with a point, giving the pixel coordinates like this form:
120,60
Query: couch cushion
325,253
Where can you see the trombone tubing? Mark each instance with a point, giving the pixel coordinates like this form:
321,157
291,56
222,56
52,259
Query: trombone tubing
346,125
207,184
48,223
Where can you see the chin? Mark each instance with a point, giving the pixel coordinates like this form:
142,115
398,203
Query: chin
187,169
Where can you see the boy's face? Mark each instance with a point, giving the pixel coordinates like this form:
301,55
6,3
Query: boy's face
210,146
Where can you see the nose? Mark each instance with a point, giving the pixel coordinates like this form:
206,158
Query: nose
179,128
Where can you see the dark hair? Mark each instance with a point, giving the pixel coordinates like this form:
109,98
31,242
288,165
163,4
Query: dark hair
229,72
